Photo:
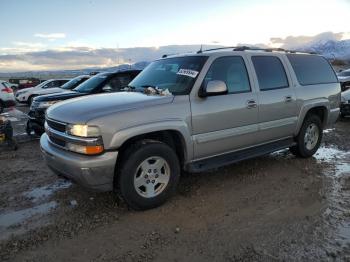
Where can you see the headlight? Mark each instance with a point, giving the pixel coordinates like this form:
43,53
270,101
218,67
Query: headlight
46,104
83,130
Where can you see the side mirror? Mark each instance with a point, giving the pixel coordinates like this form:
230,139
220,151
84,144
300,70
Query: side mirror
107,88
214,88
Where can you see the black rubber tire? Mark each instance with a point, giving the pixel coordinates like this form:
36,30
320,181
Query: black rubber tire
299,149
38,133
30,100
28,129
131,159
2,107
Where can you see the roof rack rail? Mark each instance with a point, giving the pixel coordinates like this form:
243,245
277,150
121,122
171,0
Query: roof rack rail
244,48
214,49
251,48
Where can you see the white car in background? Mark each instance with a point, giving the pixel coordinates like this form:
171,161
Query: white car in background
7,99
344,79
71,84
27,95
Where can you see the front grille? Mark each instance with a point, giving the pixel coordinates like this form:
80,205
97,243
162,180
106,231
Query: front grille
57,141
56,125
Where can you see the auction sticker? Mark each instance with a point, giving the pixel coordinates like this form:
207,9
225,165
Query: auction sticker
188,72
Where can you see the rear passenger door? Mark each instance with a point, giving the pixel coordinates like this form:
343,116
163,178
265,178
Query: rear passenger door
276,97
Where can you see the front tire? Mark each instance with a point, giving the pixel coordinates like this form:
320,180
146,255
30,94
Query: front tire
309,137
30,100
2,106
148,175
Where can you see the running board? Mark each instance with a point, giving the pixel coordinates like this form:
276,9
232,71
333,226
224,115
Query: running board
230,158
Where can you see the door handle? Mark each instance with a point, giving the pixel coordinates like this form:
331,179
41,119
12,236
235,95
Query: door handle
288,99
251,104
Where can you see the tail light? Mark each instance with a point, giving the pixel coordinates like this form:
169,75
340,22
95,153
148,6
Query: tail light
7,90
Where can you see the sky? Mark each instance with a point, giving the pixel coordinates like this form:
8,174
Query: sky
28,26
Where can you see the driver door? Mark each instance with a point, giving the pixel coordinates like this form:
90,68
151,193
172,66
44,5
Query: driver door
227,122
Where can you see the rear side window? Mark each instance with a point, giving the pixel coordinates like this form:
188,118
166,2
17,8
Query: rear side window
312,69
232,71
270,72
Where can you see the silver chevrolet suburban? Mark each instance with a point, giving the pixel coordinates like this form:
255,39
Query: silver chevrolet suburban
191,112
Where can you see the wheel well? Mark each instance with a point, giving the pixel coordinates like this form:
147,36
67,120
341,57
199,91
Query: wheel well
170,137
321,112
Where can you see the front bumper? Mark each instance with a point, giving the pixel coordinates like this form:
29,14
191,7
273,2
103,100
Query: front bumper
37,115
92,172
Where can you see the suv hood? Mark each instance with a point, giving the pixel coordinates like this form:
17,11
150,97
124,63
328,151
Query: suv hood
81,110
50,90
62,95
24,90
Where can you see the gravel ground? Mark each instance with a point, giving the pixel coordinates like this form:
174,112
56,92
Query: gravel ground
271,208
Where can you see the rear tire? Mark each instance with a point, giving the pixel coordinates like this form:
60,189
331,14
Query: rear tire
148,175
309,137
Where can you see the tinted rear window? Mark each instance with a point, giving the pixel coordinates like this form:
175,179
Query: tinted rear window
312,69
270,72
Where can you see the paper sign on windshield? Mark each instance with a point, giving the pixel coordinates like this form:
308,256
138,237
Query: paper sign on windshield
188,72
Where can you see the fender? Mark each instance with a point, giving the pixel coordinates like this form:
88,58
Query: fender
178,125
309,104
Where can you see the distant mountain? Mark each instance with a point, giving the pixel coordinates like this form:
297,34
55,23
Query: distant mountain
331,49
72,73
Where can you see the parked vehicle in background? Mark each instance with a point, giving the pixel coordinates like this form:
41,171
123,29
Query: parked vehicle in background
345,103
344,79
27,95
191,112
100,83
11,85
71,84
22,83
7,98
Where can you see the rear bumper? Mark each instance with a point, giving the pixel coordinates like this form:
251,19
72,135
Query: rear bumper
92,172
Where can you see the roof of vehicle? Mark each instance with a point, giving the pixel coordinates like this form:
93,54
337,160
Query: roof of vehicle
120,71
238,50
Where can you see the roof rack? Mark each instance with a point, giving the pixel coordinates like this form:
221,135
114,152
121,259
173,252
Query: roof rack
244,48
251,48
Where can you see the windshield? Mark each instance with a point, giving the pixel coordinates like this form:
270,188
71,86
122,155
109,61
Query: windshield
344,73
43,83
73,83
175,74
89,85
6,84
